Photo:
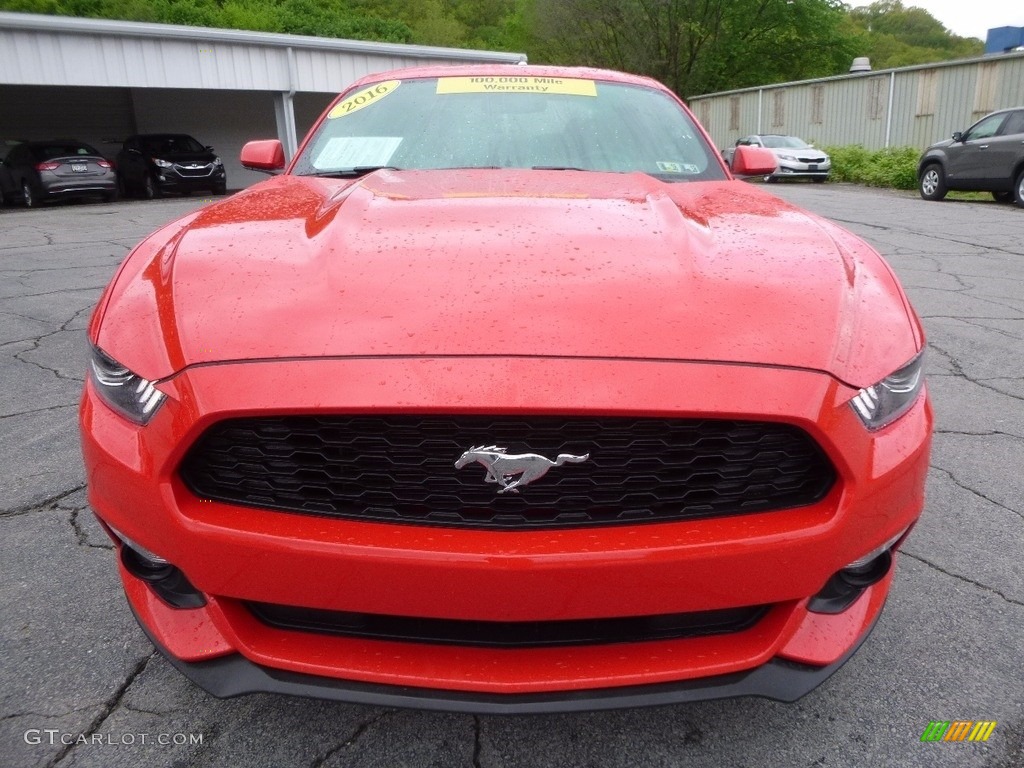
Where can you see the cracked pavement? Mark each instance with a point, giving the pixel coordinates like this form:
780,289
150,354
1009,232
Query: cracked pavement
948,646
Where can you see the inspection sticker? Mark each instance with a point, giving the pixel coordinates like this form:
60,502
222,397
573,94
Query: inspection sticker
516,84
364,98
667,167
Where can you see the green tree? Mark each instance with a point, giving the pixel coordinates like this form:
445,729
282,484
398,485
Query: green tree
697,46
327,18
894,35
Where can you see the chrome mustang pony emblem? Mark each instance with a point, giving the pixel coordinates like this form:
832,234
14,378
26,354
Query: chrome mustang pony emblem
502,467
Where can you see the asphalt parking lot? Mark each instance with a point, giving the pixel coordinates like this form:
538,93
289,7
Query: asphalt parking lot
81,686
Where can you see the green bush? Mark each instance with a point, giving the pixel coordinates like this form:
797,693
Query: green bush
894,167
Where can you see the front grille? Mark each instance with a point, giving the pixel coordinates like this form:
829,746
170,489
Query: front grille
509,634
401,469
202,170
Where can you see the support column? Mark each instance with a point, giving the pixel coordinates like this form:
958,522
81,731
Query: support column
284,113
284,110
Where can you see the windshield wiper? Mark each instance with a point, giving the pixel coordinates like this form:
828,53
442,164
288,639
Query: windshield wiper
352,173
555,168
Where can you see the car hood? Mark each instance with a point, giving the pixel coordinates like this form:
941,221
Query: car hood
185,157
507,263
801,152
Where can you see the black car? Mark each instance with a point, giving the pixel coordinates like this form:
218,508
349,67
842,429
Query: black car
34,171
988,157
154,163
7,189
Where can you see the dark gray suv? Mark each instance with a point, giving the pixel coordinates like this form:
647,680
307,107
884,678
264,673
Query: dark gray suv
988,156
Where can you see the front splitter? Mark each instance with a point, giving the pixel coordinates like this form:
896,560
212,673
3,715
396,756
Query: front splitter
234,675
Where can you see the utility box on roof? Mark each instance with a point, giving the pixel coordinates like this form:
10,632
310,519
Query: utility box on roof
1004,39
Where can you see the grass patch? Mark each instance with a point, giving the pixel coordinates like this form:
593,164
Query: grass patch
970,196
893,167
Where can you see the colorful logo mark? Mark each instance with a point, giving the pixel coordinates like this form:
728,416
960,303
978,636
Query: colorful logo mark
958,730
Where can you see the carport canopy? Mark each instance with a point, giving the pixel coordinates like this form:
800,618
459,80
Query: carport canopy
99,80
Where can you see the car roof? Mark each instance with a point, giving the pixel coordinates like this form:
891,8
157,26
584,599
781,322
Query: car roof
510,70
52,142
160,136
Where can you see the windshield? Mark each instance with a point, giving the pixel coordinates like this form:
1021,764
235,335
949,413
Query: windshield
784,142
171,145
510,122
50,151
6,145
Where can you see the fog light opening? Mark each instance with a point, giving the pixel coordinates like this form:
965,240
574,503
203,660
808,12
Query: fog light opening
144,553
866,574
845,586
165,579
141,567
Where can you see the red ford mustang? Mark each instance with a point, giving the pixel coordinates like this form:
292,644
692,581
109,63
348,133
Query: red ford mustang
506,397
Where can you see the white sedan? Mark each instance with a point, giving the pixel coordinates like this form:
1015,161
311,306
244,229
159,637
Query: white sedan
796,158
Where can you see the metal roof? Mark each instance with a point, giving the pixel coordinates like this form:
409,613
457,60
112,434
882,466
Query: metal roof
984,59
62,50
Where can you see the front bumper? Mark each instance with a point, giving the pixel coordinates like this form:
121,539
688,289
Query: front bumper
172,180
233,555
795,169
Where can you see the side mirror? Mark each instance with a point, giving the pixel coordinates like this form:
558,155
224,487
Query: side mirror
134,151
209,148
753,161
958,136
266,156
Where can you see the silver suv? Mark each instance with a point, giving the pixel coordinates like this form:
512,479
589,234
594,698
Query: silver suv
988,157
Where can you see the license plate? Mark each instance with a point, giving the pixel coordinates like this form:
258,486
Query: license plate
79,167
813,166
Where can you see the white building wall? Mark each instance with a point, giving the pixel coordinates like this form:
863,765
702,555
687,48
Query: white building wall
911,106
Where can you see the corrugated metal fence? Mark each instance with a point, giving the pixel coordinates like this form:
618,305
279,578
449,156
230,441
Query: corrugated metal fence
911,106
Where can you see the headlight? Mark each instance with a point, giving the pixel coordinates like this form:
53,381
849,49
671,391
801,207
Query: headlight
127,393
161,163
886,401
218,162
787,157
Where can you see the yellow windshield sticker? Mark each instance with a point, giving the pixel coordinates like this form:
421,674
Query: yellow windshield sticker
364,98
516,84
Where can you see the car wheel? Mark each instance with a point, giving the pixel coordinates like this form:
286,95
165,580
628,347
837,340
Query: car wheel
28,197
769,179
820,179
220,189
1018,189
149,188
932,183
113,195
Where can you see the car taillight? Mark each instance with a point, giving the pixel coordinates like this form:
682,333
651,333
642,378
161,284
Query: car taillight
47,166
104,164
